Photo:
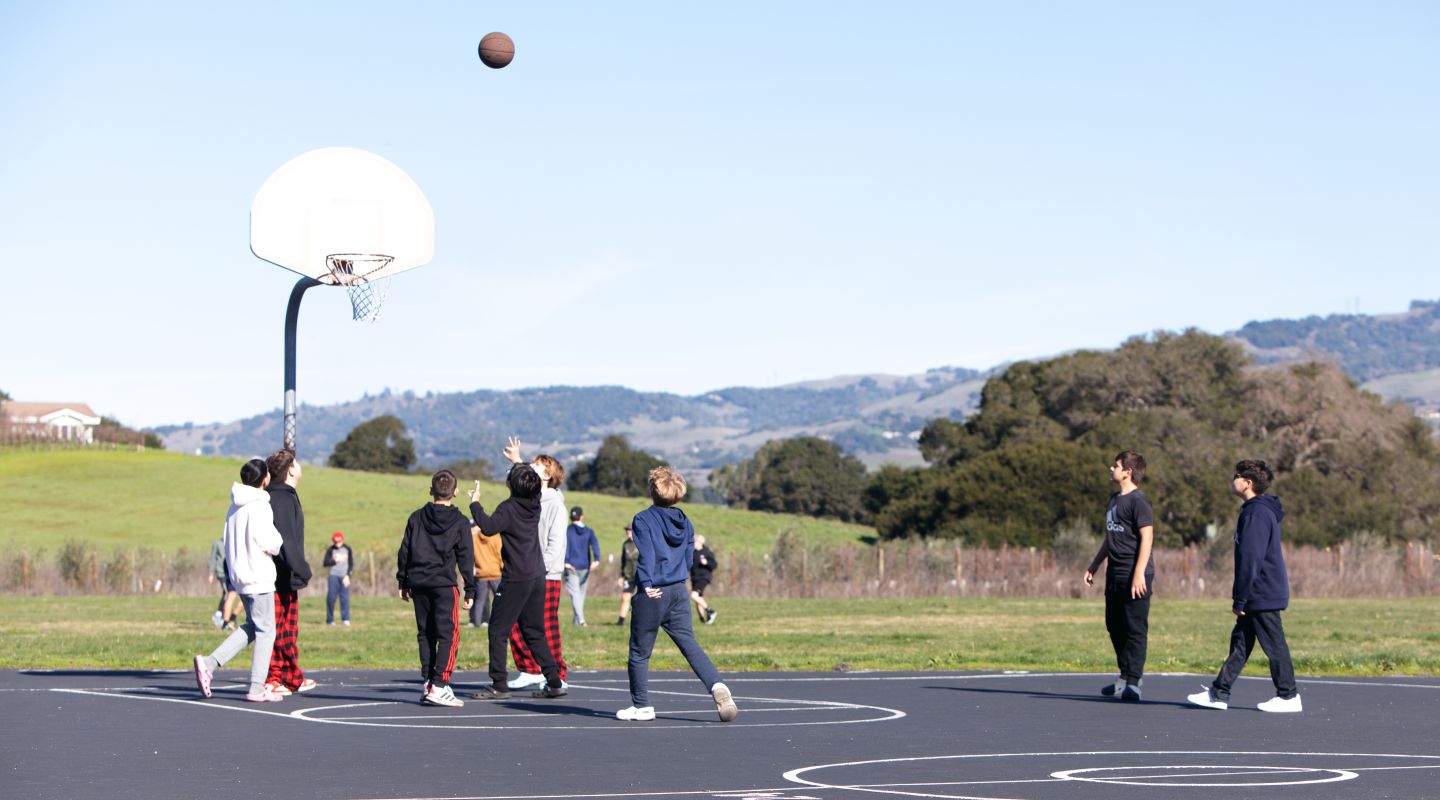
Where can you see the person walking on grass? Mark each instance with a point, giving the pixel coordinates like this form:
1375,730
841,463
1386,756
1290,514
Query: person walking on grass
552,547
702,570
250,541
628,553
582,554
292,573
341,561
1260,592
224,616
521,597
1129,575
436,545
666,543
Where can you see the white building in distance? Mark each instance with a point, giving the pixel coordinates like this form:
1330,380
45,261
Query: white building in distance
71,422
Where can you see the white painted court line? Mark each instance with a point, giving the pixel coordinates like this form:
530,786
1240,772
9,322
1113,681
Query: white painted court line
898,789
200,703
513,714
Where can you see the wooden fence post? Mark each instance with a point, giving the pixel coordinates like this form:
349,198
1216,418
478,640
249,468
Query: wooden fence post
94,570
25,571
370,558
880,563
959,565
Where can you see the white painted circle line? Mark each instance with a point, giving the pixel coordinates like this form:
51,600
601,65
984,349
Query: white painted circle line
1205,771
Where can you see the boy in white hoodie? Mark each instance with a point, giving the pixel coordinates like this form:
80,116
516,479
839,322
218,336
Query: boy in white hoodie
250,542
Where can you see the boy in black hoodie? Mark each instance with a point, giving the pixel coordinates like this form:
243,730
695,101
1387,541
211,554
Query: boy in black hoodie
521,596
437,539
1261,591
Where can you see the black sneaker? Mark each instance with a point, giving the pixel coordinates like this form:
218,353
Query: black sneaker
491,693
1114,689
1132,693
710,617
548,692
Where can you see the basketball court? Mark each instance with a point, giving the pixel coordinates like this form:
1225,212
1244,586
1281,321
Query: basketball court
1018,736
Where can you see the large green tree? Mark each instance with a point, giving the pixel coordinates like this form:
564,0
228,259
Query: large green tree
1345,461
804,475
377,445
616,469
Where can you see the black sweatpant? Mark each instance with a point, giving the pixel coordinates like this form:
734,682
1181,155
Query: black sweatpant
1265,626
523,602
1128,621
437,620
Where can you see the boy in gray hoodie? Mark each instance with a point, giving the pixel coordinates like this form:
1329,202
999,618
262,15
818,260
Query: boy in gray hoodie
666,542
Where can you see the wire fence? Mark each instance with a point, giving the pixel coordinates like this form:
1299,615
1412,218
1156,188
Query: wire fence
1363,567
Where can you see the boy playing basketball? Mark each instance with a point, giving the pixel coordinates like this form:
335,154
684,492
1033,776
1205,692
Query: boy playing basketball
1129,535
437,540
666,541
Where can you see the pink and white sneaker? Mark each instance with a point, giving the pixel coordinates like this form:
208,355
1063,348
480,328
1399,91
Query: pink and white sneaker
202,676
264,696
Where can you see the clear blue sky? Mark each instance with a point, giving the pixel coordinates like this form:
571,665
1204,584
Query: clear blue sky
683,197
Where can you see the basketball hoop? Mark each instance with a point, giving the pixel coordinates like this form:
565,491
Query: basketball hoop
354,271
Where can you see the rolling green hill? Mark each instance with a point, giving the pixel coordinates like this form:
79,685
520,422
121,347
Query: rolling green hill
119,499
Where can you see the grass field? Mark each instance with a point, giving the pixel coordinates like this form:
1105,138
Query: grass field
119,499
1329,637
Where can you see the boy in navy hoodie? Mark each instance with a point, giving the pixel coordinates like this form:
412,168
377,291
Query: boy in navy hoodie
437,540
1261,591
666,541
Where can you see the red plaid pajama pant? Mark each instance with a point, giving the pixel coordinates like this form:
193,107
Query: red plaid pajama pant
285,658
524,658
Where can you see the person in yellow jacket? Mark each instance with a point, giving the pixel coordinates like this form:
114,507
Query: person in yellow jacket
487,575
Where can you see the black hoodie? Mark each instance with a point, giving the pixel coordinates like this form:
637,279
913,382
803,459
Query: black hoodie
437,538
517,522
292,571
1260,580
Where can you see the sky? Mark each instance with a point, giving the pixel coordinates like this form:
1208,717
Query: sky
683,196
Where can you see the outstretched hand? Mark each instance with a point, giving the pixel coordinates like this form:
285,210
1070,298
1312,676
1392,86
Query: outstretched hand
512,450
475,493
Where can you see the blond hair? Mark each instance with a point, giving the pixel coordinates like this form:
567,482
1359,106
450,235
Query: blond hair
666,486
554,472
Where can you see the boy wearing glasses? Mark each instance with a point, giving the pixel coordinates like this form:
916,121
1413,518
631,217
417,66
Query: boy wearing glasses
1260,592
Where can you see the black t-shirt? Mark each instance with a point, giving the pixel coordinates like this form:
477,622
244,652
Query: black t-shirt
1125,515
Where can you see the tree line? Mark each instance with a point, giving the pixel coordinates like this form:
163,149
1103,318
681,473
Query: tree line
1035,458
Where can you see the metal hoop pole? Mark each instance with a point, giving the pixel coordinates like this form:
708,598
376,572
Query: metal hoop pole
292,318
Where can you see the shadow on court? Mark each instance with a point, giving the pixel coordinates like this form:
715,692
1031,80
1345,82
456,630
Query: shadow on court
1079,698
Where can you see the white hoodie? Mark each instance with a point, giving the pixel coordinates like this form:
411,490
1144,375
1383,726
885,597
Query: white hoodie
552,532
250,540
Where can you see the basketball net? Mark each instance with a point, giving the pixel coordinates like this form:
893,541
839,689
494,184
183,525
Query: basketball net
353,271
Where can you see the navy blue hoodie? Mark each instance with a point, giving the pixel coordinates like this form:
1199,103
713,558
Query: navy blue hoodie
666,541
1260,580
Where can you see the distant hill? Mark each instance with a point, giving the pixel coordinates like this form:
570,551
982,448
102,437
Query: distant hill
874,416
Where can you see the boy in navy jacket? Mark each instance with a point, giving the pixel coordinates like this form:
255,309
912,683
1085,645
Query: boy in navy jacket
666,542
1261,591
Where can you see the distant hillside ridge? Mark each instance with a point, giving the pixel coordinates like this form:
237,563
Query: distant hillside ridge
874,416
1367,347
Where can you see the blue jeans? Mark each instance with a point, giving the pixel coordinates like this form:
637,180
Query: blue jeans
671,611
337,588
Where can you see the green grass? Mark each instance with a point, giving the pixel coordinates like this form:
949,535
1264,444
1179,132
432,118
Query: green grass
118,499
1329,637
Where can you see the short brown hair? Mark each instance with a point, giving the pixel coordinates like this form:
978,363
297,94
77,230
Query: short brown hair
666,486
442,485
1133,461
554,473
279,464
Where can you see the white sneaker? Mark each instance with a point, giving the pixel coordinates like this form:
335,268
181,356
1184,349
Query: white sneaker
443,696
633,714
424,691
1207,699
527,679
724,703
1281,705
218,619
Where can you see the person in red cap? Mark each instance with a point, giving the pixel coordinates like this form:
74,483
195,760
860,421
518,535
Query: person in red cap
341,562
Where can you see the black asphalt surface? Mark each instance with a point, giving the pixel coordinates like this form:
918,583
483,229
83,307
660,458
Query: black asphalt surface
830,736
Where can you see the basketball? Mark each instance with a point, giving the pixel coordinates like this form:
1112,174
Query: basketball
496,50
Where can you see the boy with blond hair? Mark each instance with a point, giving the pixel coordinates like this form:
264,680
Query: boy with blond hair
666,542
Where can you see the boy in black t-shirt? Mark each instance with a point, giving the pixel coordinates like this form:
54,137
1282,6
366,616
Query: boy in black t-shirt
1129,534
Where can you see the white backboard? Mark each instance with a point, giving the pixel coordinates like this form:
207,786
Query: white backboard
341,200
